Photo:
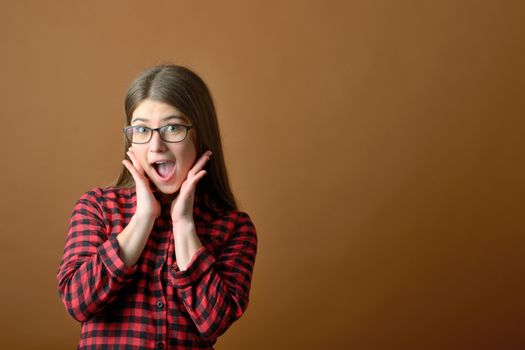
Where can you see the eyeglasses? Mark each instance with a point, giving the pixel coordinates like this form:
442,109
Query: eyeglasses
168,133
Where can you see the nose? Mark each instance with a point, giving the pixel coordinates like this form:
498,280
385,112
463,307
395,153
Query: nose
156,144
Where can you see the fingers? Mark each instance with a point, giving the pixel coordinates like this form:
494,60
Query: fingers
189,185
134,167
198,176
199,165
136,163
131,169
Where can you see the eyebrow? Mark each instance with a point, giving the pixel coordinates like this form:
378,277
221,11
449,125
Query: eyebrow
163,119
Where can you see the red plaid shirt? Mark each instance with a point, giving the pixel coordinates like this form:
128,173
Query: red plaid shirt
154,305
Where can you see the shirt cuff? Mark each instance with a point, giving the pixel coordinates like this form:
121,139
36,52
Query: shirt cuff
199,264
108,252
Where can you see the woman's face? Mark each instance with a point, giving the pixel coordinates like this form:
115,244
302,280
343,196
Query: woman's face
180,156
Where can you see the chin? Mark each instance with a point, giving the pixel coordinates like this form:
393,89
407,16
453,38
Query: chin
168,189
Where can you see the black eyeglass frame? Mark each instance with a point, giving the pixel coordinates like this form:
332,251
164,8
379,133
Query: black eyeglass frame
187,127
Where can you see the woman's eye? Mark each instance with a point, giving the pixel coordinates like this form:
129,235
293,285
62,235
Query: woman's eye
140,129
174,128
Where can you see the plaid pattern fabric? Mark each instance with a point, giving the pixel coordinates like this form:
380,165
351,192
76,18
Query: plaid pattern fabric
154,305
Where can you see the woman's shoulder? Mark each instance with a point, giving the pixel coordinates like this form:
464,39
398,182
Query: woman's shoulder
241,216
224,215
104,195
209,208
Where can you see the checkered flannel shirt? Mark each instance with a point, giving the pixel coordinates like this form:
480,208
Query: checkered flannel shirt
154,305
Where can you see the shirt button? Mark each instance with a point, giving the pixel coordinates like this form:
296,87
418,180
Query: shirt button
160,305
160,345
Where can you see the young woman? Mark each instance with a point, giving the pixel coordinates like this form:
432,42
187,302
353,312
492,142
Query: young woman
162,258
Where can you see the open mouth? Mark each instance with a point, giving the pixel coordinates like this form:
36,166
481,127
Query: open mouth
164,169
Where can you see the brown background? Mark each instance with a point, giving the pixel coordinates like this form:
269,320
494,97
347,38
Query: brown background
377,145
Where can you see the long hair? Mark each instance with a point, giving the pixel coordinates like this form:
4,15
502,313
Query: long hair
183,89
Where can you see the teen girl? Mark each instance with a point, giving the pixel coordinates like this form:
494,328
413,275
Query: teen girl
162,258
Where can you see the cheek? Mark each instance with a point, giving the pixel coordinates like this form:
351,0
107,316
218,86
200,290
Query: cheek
187,159
140,154
193,141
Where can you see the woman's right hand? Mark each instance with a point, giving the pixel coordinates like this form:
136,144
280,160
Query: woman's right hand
147,205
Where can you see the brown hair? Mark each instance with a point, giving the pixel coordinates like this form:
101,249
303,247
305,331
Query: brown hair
180,87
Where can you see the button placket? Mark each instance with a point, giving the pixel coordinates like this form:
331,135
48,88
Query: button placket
160,306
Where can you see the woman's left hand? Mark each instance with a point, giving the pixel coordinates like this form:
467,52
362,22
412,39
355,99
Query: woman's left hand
182,206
